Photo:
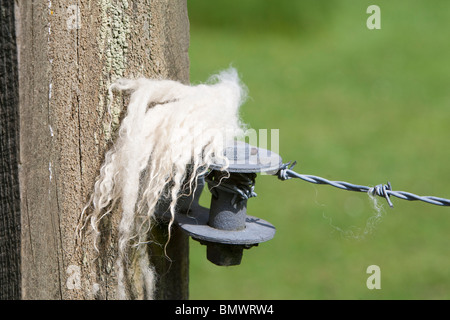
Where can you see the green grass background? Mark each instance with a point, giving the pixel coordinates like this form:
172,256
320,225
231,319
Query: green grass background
352,104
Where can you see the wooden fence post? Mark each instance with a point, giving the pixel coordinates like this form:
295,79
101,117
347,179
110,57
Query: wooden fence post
54,135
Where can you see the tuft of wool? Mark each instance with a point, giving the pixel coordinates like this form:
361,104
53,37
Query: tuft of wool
170,134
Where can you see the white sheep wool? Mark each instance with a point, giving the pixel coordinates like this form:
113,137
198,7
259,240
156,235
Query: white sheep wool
170,134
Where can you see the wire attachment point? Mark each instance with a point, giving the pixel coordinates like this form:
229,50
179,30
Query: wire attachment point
283,172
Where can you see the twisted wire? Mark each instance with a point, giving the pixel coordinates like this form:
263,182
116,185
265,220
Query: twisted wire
241,185
380,190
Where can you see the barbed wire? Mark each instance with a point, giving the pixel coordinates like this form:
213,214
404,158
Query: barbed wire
381,190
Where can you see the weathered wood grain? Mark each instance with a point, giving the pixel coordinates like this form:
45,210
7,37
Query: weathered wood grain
65,66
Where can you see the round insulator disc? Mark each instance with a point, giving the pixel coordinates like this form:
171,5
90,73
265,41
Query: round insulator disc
246,158
196,225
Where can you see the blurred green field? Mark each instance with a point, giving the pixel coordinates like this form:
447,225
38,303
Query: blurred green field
352,104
